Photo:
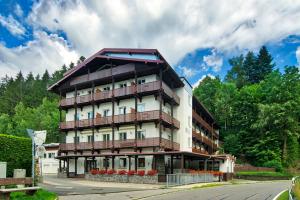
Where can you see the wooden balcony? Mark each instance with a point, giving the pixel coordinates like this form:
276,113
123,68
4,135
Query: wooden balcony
147,116
119,93
203,123
130,143
194,150
203,139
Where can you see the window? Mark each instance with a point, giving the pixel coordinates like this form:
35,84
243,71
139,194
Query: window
141,162
123,136
107,88
51,155
77,117
106,163
76,139
141,81
122,110
122,85
106,137
141,135
45,155
141,107
123,162
90,115
90,138
90,92
106,113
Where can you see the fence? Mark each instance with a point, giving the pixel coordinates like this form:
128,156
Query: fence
295,181
184,179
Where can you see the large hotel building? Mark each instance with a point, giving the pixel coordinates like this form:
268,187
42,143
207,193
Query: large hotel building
128,109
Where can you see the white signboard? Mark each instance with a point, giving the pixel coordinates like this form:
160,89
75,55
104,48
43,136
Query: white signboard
40,137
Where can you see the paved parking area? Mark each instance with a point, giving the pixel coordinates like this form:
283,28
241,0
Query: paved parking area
80,186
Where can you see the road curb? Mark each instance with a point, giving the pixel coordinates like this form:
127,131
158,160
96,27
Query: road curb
279,194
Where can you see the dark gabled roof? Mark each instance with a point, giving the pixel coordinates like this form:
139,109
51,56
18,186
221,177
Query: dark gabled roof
101,55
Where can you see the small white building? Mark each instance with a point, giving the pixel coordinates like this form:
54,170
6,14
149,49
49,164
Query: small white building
48,162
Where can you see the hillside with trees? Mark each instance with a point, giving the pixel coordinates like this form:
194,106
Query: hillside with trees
258,109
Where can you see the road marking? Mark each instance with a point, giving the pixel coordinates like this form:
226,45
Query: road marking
279,194
63,187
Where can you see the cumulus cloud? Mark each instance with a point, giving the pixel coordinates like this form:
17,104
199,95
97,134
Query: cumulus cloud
298,56
12,25
188,72
202,78
44,52
213,60
174,27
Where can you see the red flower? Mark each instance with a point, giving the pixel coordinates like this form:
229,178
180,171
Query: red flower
151,172
141,173
102,171
94,171
130,172
111,171
122,172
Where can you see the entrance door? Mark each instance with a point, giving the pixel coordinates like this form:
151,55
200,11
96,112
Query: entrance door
90,164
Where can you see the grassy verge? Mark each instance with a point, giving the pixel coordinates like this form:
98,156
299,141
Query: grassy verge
284,196
39,195
296,189
207,185
263,173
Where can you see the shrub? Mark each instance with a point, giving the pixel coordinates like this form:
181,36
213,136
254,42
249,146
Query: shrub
102,171
130,172
274,164
151,172
111,171
141,172
122,172
94,171
16,151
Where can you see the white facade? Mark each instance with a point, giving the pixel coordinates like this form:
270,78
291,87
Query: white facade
48,162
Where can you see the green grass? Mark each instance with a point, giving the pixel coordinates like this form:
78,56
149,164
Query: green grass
284,196
296,189
39,195
264,173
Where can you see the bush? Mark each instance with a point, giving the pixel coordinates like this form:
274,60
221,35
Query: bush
151,172
274,164
111,171
122,172
39,195
141,172
131,172
16,151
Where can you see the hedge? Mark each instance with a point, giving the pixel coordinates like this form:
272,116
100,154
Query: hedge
16,151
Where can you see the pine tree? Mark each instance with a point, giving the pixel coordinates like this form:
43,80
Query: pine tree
250,68
264,62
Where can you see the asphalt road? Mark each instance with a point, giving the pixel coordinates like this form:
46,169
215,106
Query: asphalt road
78,189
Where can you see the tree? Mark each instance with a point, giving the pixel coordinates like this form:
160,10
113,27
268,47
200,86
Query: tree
264,63
250,68
237,74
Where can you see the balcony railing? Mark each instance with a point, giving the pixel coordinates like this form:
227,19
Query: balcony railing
121,119
147,142
199,151
204,139
121,92
200,120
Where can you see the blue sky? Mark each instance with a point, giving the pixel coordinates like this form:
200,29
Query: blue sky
197,38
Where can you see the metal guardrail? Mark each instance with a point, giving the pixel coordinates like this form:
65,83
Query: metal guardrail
294,181
185,179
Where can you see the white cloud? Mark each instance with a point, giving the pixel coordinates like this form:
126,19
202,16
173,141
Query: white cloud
44,52
213,60
175,27
188,72
202,78
298,56
18,10
12,25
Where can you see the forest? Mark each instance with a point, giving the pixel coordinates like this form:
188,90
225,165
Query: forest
256,105
258,110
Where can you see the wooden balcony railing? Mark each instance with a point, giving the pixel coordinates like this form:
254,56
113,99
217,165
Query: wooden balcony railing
119,92
121,119
200,120
147,142
204,139
195,150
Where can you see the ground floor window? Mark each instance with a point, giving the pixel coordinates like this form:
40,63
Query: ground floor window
141,162
122,162
105,163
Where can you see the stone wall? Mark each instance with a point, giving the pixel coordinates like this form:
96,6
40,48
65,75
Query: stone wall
123,178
